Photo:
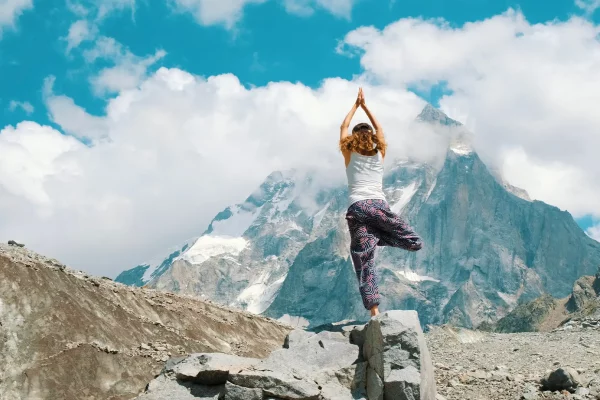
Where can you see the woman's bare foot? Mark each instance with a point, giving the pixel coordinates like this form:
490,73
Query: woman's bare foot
374,311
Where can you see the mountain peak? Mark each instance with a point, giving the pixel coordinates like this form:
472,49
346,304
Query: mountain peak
461,145
434,115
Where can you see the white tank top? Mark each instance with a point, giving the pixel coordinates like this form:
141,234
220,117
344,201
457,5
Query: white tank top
365,178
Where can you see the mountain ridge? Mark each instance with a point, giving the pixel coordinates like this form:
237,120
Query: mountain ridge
474,226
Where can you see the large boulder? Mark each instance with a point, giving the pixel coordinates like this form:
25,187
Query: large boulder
397,353
562,379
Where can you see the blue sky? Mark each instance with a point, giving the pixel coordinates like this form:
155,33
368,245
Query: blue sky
53,97
267,44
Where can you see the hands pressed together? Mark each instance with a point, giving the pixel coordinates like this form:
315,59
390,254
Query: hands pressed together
360,99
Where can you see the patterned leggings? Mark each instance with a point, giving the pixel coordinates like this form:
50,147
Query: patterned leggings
372,224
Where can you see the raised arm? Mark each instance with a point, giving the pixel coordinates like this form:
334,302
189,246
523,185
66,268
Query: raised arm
346,123
375,123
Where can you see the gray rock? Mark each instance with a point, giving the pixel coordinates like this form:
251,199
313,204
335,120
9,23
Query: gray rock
530,393
325,351
277,384
296,336
374,385
359,380
163,388
403,384
357,335
235,392
333,391
210,368
562,379
581,391
395,349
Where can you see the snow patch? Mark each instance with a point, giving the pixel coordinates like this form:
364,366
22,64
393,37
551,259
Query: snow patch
407,193
209,246
462,149
319,216
158,261
508,299
294,321
431,189
287,226
260,294
414,277
237,224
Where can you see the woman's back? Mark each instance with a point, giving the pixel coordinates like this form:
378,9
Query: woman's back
365,177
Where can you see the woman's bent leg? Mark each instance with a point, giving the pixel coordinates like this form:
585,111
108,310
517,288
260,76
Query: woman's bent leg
393,231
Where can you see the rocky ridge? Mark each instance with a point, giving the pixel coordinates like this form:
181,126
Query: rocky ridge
580,309
65,334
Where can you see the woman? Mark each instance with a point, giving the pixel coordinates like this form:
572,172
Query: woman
370,220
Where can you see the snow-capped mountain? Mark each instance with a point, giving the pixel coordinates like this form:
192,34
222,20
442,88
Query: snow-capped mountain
284,252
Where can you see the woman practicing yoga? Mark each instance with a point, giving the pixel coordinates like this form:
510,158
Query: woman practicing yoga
370,220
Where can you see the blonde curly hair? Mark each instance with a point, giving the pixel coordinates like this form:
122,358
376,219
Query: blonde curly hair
362,140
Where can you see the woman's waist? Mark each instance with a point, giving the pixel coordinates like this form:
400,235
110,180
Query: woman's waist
365,186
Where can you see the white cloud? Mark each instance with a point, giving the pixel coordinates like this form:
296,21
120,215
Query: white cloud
594,232
228,12
210,12
10,10
589,6
79,32
23,105
105,7
128,69
30,154
340,8
167,156
173,149
526,88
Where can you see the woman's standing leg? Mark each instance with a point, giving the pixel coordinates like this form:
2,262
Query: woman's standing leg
363,244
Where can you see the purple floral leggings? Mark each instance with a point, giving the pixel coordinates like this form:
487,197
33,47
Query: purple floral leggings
372,224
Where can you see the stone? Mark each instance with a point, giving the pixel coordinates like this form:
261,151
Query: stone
530,393
480,374
581,391
325,351
374,385
562,379
395,349
357,335
296,336
163,388
359,380
235,392
210,368
403,384
277,384
334,391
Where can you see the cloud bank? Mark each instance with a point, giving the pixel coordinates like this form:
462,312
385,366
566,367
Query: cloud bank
172,149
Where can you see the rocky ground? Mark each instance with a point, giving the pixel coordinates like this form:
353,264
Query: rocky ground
495,366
